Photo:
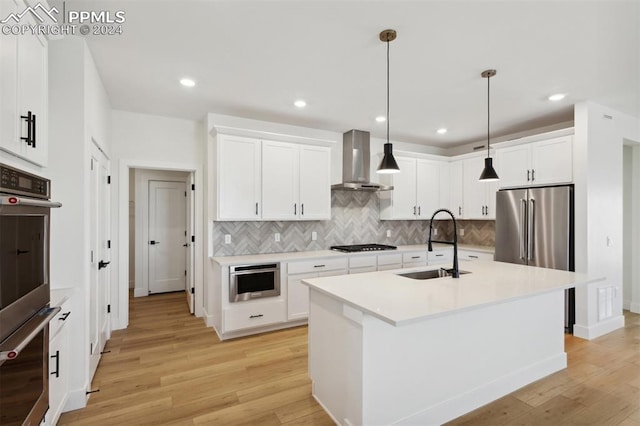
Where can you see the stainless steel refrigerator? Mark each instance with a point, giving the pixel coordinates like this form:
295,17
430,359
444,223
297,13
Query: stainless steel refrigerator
534,226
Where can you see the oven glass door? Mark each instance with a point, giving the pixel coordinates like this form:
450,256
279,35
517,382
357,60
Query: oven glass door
23,383
23,255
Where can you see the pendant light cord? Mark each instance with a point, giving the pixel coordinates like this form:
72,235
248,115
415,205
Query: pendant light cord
488,114
387,91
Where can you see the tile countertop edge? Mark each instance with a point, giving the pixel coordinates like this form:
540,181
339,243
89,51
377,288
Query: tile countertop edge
581,280
313,254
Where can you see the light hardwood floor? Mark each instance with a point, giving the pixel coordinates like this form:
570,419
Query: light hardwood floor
168,368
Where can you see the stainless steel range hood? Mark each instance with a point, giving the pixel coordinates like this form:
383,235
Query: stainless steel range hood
356,164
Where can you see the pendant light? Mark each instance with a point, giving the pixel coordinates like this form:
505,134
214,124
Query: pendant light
388,164
489,173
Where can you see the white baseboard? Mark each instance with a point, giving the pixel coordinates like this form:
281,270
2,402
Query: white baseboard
77,399
488,392
599,329
140,292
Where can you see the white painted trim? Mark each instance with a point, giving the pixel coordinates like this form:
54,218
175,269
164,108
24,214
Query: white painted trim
123,232
420,155
569,131
634,303
259,134
600,329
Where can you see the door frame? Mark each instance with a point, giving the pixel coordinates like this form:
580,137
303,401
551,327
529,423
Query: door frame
142,197
120,221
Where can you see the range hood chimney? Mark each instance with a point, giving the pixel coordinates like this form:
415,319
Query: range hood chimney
356,163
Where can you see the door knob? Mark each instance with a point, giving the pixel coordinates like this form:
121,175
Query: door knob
185,245
102,264
154,242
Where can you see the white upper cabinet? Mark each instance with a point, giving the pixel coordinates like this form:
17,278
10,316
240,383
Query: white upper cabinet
238,165
479,197
456,201
538,163
271,180
280,182
23,91
315,183
416,190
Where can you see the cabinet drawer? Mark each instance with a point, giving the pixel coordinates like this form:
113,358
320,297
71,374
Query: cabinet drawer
248,315
438,256
317,265
389,259
362,269
474,255
414,257
59,320
362,261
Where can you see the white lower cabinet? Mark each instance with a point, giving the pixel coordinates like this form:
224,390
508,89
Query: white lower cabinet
414,258
59,352
437,256
389,261
254,314
298,293
359,264
474,255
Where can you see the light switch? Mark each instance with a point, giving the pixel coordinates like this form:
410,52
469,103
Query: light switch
314,235
388,233
277,237
227,239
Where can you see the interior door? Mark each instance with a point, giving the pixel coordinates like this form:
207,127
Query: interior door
189,287
167,236
99,295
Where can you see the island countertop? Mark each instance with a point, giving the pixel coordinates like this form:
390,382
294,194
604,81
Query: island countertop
399,300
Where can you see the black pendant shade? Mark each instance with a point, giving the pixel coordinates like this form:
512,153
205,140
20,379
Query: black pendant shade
489,173
388,163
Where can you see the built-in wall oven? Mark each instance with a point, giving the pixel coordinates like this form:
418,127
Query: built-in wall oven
24,296
247,282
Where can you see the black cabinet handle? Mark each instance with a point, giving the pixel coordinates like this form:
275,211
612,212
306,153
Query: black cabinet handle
319,266
439,255
64,316
33,131
256,316
57,357
418,210
153,242
528,175
295,208
533,175
459,211
28,118
302,209
256,209
473,257
102,264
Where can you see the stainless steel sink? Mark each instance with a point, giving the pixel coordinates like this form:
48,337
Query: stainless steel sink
427,275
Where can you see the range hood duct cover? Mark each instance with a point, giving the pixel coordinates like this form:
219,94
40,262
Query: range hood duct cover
356,163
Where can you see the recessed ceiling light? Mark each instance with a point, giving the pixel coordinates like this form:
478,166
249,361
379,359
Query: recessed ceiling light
187,82
381,119
557,97
300,103
441,131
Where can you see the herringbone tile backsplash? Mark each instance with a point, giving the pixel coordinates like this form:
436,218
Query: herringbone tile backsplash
355,219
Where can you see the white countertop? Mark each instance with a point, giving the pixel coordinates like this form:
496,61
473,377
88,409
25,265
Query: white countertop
400,300
302,255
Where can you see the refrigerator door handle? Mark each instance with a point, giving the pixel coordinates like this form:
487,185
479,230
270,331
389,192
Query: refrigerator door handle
532,221
523,224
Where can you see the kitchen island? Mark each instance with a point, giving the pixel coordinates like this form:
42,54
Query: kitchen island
387,349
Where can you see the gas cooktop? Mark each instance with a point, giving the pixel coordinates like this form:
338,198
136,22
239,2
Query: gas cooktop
362,247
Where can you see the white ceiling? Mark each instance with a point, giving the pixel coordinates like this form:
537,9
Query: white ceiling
254,58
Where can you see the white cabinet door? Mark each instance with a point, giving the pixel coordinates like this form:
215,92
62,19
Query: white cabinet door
552,161
315,183
404,189
444,194
513,166
280,181
474,190
298,296
456,199
8,78
239,170
58,374
427,188
33,93
490,199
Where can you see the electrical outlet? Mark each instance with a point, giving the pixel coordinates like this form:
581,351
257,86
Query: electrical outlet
227,239
435,231
461,232
388,233
314,236
277,237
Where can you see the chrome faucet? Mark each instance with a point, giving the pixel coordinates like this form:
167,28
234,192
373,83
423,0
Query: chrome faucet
455,271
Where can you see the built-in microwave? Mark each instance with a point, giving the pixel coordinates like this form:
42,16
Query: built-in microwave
247,282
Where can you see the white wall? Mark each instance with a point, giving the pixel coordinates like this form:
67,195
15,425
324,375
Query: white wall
79,116
151,142
599,137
